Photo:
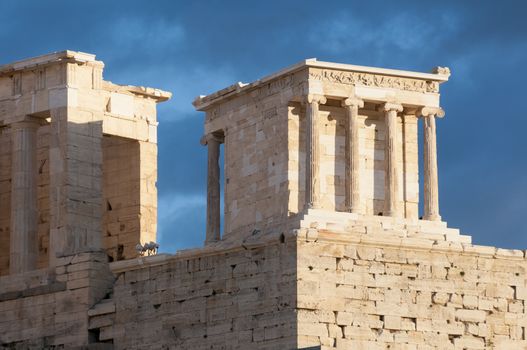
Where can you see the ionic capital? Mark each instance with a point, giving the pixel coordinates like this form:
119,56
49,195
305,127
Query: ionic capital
213,136
353,102
390,106
428,111
320,99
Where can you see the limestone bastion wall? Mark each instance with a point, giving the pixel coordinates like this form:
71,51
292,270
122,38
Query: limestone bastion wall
322,288
238,298
359,292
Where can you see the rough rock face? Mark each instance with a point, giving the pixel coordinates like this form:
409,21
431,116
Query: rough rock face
322,246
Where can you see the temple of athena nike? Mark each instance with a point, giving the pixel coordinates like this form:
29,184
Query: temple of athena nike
322,242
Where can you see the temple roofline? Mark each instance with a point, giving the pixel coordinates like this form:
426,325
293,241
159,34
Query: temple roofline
80,58
438,74
32,63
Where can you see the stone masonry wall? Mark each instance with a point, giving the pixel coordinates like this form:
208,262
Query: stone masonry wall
121,197
355,292
47,309
130,195
256,156
235,299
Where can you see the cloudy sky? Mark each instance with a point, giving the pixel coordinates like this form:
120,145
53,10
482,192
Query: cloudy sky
197,47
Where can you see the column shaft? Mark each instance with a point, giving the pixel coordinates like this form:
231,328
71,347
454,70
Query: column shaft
24,207
431,192
392,169
213,190
313,156
352,166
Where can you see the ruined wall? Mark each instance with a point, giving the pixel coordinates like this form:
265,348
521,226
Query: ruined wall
360,292
235,299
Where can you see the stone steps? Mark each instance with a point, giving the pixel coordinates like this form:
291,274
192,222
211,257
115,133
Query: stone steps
351,222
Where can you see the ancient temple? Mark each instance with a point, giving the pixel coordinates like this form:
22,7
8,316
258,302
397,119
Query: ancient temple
354,127
322,243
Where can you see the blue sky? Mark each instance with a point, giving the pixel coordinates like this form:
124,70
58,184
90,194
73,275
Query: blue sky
196,47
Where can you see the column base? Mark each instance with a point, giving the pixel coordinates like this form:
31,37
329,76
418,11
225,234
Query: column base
211,241
434,217
392,214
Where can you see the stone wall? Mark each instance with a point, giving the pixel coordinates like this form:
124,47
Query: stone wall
47,309
120,197
240,298
256,156
129,195
360,292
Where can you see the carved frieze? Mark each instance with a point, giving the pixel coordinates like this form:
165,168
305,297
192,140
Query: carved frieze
377,80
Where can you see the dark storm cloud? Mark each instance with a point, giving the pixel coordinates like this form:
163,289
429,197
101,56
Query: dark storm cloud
193,48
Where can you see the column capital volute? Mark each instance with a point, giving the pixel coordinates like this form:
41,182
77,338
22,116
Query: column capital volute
353,102
316,98
213,136
391,106
431,111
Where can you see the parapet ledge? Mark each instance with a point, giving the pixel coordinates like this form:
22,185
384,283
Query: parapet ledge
224,246
422,242
140,262
153,93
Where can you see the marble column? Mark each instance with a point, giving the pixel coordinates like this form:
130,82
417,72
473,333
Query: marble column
353,201
431,188
391,163
312,152
24,206
213,142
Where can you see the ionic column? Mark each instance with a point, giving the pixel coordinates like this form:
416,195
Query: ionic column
431,190
353,201
391,164
24,207
213,142
312,153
